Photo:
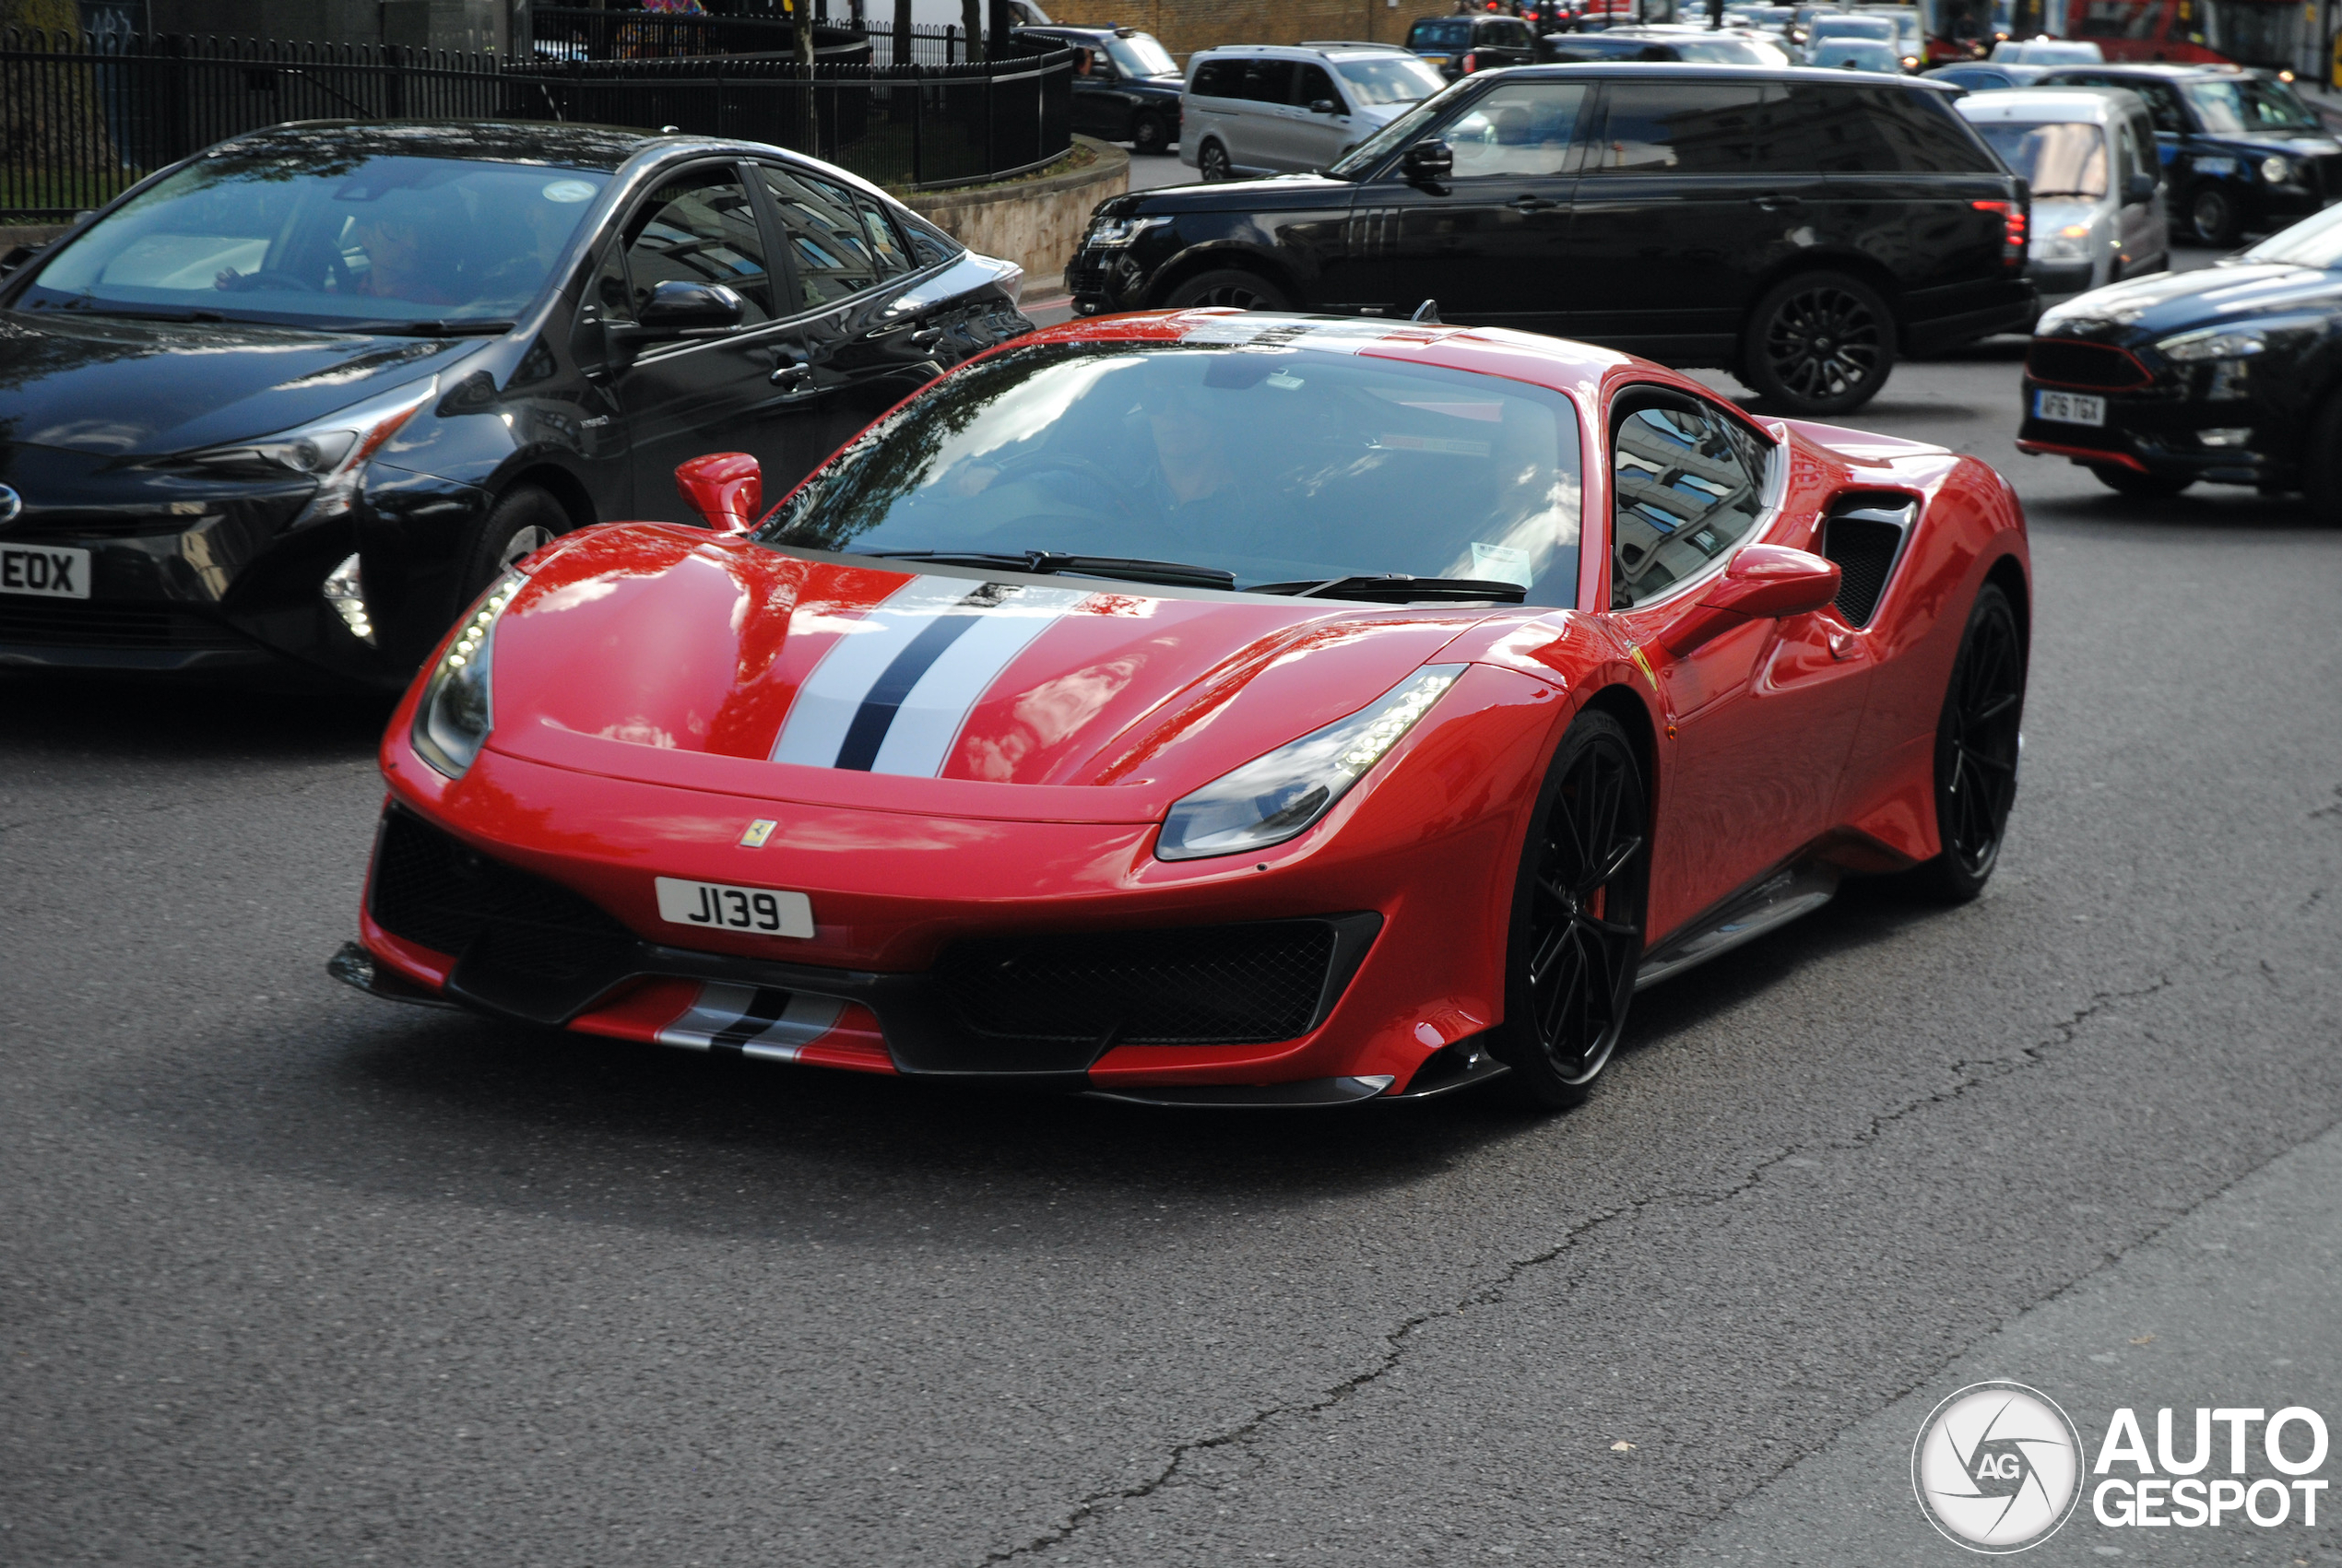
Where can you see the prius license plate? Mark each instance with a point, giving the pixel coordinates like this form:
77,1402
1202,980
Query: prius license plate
2069,407
51,571
713,905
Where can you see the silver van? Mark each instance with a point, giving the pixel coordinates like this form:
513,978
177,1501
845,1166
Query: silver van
1273,109
2089,155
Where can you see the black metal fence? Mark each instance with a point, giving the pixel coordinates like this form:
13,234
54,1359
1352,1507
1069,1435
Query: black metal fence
579,33
82,118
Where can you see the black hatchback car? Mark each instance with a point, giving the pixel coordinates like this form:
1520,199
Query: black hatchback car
1797,227
2241,152
299,397
2230,375
1461,45
1126,86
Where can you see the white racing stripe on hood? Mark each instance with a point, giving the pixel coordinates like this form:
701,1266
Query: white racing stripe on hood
890,695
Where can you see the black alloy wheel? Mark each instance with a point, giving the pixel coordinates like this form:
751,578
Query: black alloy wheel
1820,344
1576,938
1212,162
2211,217
521,523
1230,287
1147,135
1976,747
2130,482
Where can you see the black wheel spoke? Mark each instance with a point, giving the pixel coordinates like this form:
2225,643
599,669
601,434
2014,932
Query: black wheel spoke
1613,863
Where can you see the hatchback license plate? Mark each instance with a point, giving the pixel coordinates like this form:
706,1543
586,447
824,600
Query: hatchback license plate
50,570
765,911
2069,407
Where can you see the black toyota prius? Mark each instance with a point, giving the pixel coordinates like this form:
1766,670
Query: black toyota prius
291,403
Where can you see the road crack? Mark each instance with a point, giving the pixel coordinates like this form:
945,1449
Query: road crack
1399,1341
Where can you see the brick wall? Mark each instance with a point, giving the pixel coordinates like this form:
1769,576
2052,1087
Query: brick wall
1186,26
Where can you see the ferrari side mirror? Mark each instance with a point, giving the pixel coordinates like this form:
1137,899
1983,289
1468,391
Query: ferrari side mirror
724,488
1763,581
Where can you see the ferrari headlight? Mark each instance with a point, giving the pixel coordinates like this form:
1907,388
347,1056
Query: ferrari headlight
2214,343
1275,797
1110,232
334,450
453,720
2276,170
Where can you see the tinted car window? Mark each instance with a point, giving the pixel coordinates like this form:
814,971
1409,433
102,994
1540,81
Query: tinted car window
1502,32
1926,133
825,237
1310,84
1679,128
1686,488
1521,128
1292,465
1266,81
701,227
929,246
1215,78
1865,130
886,247
1442,32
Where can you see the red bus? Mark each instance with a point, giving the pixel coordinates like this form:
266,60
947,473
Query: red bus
2272,33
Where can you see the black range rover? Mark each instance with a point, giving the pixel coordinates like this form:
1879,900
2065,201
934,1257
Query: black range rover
1794,226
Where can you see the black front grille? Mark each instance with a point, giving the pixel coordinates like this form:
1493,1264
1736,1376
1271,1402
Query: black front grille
1202,986
1085,276
2083,364
1864,549
78,623
432,891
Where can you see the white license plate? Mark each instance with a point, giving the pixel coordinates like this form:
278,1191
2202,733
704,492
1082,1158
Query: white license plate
713,905
2069,407
52,570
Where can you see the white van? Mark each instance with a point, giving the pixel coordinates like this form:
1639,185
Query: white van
2089,155
1273,109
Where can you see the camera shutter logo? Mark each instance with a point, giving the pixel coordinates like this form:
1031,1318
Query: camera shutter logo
11,503
1997,1467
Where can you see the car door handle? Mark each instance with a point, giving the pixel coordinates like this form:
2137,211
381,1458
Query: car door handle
927,337
1532,203
1773,202
797,376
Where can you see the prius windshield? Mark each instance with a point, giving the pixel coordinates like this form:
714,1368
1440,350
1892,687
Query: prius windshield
1284,457
376,241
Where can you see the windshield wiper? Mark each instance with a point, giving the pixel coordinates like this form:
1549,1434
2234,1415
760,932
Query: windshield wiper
1397,588
427,328
1047,563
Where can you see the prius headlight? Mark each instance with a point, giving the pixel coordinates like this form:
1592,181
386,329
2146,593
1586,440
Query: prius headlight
1275,797
453,720
334,451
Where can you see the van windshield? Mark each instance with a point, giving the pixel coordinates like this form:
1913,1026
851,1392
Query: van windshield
2062,158
1399,133
1389,78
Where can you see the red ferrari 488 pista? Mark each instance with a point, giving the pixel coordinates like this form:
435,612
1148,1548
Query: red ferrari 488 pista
1211,708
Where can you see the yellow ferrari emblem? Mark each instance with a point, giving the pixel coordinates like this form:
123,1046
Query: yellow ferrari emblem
758,831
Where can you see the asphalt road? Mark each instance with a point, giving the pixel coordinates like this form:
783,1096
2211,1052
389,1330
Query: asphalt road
289,1275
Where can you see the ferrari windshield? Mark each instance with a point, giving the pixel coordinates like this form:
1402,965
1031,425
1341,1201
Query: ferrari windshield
365,240
1273,460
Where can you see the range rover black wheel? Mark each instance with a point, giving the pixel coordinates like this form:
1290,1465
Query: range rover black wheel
1148,135
2212,217
1976,749
2130,482
1576,918
1212,162
1818,343
1228,286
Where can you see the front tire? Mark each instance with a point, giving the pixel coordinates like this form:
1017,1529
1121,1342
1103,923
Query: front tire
1149,136
2130,482
1576,939
1228,286
1975,750
1819,343
2212,217
524,521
